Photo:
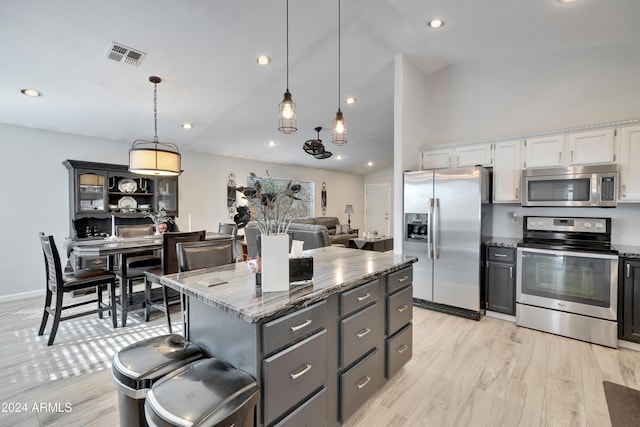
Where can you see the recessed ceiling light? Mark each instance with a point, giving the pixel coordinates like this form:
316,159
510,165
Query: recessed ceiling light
370,164
351,100
271,144
263,60
31,92
187,126
339,157
435,23
566,1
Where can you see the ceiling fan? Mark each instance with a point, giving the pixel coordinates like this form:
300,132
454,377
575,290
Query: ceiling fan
315,147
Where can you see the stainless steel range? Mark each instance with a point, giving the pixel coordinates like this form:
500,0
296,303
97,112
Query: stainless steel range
567,281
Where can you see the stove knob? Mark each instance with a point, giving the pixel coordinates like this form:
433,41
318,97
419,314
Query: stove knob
587,225
540,223
599,225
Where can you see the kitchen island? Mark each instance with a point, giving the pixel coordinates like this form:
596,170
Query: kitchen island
319,350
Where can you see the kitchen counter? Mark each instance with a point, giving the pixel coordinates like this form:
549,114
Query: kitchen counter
502,242
628,251
232,288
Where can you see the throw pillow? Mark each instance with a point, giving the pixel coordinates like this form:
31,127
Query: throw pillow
342,228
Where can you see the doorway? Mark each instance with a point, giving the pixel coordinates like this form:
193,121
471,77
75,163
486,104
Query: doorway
377,208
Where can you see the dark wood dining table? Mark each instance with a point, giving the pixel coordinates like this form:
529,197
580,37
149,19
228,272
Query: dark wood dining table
118,251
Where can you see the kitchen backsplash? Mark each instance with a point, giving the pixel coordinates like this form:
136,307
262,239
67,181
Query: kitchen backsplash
625,219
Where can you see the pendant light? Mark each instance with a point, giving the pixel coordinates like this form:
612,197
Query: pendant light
153,157
339,128
287,108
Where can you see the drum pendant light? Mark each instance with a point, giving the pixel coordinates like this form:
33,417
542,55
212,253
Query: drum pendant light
339,128
153,157
287,108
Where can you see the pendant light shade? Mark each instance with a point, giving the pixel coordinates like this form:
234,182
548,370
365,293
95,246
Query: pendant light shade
153,157
339,128
287,120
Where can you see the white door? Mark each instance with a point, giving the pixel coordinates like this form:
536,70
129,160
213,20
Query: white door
377,208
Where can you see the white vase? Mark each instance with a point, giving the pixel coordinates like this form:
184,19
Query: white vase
275,262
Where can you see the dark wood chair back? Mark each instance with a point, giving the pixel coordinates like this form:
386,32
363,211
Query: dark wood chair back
169,251
53,267
225,228
208,253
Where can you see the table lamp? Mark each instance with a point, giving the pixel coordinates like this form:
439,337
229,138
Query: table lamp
348,209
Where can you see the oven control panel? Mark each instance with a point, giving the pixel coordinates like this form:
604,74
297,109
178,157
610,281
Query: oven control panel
583,225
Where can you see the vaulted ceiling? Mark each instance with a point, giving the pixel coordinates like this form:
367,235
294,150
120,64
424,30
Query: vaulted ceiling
205,51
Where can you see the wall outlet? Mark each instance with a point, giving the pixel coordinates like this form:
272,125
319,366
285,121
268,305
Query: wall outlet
515,219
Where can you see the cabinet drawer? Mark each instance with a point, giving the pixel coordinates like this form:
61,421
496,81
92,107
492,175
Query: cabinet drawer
399,350
359,297
399,310
398,279
292,327
360,333
293,374
312,413
502,254
93,262
359,383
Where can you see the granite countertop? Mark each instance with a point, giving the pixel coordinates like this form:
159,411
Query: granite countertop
628,251
232,288
503,242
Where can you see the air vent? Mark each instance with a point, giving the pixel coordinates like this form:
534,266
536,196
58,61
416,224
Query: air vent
120,53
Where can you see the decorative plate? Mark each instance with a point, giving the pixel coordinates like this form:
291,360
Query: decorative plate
127,202
127,186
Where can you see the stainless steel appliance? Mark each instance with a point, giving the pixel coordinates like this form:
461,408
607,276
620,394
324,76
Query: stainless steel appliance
443,228
567,280
593,185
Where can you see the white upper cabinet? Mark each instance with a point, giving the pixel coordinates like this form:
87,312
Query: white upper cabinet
437,159
473,155
582,148
466,155
507,171
591,147
544,152
629,160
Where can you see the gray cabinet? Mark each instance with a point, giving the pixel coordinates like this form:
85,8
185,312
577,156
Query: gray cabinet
500,280
630,308
399,313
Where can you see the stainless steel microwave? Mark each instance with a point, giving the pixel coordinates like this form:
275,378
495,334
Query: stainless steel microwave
592,185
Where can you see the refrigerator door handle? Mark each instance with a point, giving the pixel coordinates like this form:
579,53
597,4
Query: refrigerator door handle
436,229
430,230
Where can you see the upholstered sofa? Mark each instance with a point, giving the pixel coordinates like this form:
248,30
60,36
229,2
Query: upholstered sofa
339,232
313,236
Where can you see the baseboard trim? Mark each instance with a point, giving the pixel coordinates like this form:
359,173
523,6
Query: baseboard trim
21,295
500,316
629,345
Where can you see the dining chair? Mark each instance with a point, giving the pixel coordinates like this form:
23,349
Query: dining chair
207,253
169,265
59,283
232,229
140,262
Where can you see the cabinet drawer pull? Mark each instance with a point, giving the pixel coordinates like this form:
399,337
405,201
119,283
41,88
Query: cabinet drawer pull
628,266
500,255
363,332
403,278
510,272
363,383
402,308
98,261
403,348
364,297
300,326
304,370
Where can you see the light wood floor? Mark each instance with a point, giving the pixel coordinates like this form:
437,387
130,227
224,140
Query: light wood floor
463,373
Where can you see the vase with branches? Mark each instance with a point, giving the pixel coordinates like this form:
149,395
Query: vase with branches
158,217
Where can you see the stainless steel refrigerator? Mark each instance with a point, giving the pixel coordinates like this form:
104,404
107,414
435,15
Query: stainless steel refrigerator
445,216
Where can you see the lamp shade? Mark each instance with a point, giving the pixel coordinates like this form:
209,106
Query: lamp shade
146,158
348,209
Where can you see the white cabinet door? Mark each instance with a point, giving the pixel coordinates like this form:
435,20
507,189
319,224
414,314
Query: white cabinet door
437,159
629,190
507,171
591,147
544,152
473,155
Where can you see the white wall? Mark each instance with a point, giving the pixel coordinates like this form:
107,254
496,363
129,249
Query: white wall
36,193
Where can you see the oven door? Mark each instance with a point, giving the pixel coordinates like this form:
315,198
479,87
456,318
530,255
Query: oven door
576,282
